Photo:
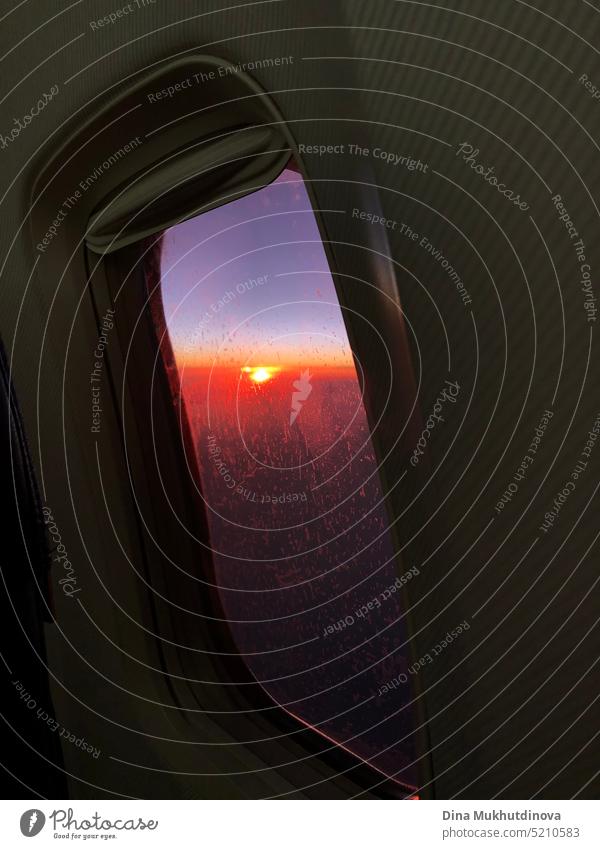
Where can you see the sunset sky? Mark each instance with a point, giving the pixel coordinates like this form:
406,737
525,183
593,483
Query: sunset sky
248,284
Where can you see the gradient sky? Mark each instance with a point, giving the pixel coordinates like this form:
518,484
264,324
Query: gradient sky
292,319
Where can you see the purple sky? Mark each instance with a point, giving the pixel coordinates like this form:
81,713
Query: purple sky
291,319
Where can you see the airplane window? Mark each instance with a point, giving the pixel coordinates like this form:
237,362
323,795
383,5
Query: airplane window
299,533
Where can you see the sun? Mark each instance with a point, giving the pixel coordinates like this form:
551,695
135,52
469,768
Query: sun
260,374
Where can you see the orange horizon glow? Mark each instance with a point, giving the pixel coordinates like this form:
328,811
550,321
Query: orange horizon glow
185,359
261,374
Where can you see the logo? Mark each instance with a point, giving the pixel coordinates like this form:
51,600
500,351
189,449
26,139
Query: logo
32,822
303,389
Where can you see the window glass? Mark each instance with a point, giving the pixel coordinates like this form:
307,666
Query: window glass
299,533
